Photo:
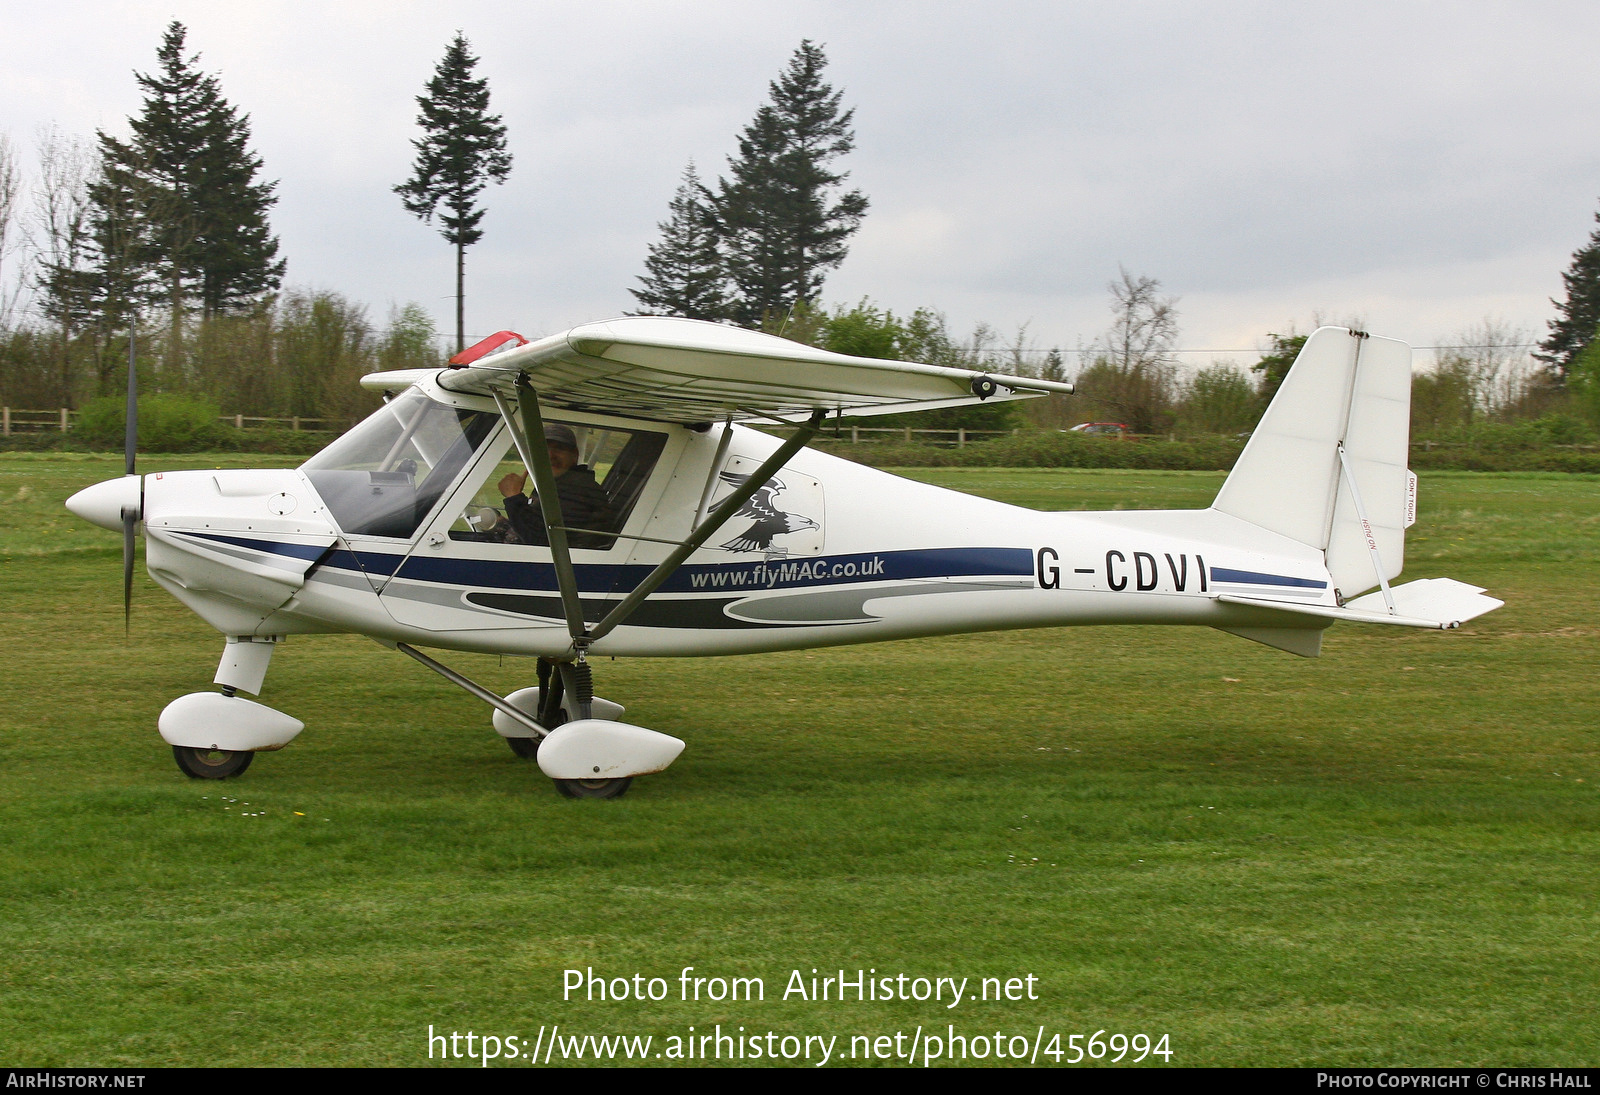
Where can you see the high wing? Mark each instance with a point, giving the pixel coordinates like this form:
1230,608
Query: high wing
688,371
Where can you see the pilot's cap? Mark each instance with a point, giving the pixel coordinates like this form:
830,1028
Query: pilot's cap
561,436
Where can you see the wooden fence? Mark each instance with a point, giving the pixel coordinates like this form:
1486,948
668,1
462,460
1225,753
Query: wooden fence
16,420
13,420
19,420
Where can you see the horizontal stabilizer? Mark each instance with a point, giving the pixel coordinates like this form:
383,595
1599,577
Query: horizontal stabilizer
1436,603
1442,599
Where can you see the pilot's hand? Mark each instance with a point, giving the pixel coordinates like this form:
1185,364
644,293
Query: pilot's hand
513,484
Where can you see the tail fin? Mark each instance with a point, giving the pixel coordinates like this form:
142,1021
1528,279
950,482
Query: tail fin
1346,391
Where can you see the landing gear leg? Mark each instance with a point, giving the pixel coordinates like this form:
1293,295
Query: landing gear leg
552,689
244,665
579,678
550,715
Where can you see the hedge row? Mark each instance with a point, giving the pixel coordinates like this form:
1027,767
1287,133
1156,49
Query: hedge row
298,444
1046,449
191,429
1567,460
167,423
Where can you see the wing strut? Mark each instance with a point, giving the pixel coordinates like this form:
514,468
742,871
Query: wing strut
711,476
537,458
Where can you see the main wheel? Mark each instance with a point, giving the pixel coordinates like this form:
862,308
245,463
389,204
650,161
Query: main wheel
528,748
592,788
211,763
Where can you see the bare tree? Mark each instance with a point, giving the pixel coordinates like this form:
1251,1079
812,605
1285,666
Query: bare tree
59,226
13,259
1129,371
1146,325
1495,359
1019,351
58,230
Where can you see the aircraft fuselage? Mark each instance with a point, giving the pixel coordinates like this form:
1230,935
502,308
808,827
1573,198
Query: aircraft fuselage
838,553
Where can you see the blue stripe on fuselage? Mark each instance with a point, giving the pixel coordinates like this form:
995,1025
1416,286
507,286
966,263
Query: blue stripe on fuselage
293,551
1251,577
786,573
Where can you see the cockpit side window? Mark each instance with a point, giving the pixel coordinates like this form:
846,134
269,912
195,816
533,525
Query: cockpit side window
385,475
616,462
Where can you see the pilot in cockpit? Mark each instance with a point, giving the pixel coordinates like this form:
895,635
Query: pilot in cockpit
584,504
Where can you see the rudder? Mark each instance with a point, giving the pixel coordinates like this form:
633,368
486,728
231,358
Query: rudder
1346,389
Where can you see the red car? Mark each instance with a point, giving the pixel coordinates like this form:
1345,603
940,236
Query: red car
1113,429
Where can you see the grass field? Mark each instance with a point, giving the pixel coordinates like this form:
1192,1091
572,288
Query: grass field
1385,856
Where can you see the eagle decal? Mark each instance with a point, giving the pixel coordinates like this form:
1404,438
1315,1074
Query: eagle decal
769,520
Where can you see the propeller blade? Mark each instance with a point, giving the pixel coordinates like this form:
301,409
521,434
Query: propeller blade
130,518
130,429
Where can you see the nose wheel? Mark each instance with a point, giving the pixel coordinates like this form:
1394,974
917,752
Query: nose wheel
211,763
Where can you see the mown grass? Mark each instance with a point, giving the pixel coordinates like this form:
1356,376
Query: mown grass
1385,856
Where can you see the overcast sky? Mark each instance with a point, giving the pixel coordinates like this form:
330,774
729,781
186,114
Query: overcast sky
1419,166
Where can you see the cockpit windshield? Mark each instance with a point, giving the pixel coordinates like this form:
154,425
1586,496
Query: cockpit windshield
385,475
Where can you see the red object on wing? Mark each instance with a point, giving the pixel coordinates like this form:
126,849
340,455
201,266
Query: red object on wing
493,342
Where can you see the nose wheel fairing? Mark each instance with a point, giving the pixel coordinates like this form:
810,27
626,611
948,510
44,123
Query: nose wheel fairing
214,720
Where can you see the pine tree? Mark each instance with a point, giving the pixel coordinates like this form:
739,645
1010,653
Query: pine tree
1054,368
780,231
182,200
235,247
1579,313
684,272
462,149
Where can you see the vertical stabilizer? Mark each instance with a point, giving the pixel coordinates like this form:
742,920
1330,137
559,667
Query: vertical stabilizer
1347,389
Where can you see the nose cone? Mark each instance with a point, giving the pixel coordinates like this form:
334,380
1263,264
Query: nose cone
103,503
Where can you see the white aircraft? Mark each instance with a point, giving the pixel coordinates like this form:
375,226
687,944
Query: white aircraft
687,533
